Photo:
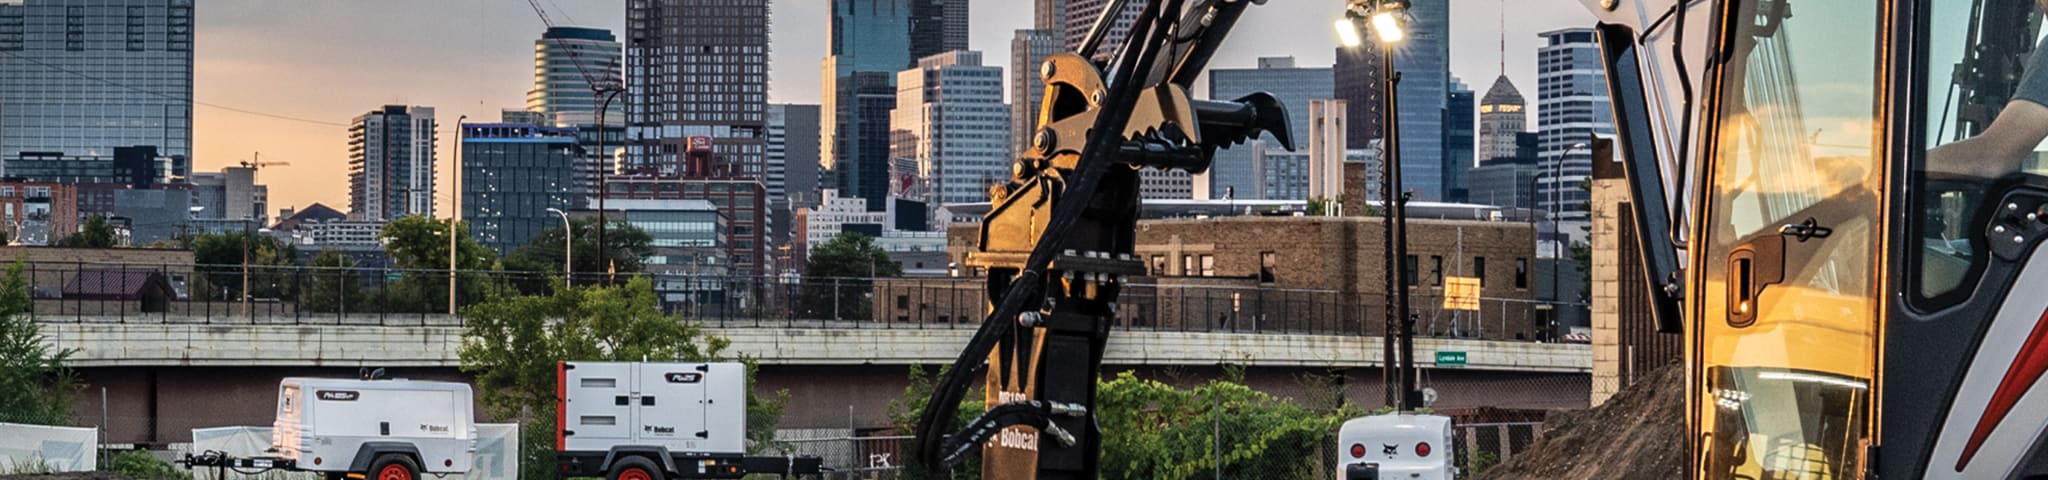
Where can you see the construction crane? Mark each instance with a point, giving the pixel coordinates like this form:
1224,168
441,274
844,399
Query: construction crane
255,162
1860,302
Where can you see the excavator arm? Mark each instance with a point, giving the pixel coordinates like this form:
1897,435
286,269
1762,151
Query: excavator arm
1057,243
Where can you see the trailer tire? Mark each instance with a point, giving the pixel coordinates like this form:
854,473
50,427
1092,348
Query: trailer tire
635,468
393,466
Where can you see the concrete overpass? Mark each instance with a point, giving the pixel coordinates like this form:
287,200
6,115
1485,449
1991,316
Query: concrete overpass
172,374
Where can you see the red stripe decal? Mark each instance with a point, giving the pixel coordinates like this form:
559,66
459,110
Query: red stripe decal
2026,369
561,405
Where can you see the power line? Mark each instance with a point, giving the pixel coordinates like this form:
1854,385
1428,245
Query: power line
132,88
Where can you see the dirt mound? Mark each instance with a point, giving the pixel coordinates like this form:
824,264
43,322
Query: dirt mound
1637,434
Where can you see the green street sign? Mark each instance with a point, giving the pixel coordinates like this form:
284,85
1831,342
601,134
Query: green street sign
1450,359
393,277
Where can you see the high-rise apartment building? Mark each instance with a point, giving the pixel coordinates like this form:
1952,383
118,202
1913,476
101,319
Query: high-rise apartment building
951,119
1231,171
83,77
696,68
566,60
512,173
391,163
1028,50
1459,126
1573,106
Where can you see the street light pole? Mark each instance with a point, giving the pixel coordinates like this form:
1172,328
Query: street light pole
568,251
1385,19
1556,230
605,94
455,211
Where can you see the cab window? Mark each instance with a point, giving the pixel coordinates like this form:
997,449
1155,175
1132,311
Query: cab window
1983,122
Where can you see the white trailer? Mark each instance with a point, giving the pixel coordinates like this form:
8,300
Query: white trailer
651,421
370,429
1396,446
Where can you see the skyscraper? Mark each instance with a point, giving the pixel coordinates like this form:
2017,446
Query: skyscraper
792,163
951,119
512,173
1423,60
696,68
391,163
1295,86
1077,16
1458,141
1571,86
1326,153
1028,50
82,77
870,42
1501,115
565,62
1361,84
937,26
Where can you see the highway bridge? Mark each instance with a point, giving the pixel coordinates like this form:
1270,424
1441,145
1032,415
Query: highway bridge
166,374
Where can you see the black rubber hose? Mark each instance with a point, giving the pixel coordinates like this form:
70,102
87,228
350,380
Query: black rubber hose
1122,98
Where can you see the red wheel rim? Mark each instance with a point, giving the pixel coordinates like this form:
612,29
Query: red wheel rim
635,474
394,472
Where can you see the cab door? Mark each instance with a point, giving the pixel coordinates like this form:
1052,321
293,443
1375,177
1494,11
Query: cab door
1786,287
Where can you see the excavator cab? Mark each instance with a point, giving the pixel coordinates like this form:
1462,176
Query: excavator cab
1843,204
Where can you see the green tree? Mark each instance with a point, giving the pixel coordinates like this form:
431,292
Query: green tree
1166,432
219,257
334,283
629,248
512,344
96,233
838,273
904,412
35,386
418,246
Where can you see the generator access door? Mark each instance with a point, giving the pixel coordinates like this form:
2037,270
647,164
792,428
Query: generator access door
671,405
598,411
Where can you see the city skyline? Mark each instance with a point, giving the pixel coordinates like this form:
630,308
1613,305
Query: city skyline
316,61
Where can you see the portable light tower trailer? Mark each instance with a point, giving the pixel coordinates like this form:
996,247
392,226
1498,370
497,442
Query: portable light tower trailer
1396,445
368,429
653,421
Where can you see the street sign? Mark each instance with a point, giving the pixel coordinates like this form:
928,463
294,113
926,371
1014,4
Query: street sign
1461,293
1446,358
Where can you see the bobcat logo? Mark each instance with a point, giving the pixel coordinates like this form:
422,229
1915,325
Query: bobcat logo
683,377
1389,448
658,430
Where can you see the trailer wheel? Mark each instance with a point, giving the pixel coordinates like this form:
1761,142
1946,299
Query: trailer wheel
392,466
635,468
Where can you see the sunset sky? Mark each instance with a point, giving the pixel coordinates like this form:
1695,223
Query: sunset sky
306,67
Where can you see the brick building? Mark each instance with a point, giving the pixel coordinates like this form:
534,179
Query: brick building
1257,273
38,213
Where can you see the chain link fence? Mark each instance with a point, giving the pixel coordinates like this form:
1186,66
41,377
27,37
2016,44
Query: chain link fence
300,295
